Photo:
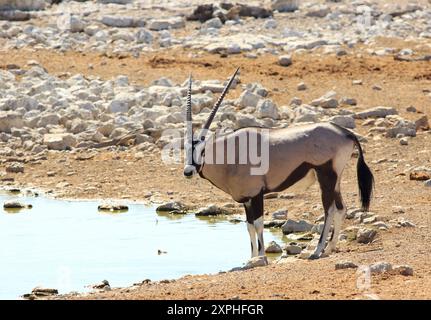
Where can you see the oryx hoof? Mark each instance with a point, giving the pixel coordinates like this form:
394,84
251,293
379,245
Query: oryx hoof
314,256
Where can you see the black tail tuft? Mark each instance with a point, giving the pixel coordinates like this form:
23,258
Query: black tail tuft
365,182
365,176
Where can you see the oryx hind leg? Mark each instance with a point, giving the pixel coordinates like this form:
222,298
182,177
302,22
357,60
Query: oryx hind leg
327,178
254,213
339,215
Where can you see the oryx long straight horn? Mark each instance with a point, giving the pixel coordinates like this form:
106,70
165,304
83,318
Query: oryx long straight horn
210,119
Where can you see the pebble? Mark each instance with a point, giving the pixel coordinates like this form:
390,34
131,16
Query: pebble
380,267
112,207
365,235
292,249
212,210
345,265
172,207
12,204
285,60
15,167
301,86
404,270
292,226
273,247
404,141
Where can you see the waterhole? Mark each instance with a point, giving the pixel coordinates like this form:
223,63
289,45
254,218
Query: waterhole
69,245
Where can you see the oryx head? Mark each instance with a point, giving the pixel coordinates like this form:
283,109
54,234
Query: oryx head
194,146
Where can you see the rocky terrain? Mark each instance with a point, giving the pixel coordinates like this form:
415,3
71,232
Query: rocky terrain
87,89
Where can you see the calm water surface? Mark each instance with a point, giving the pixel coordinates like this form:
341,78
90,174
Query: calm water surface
69,244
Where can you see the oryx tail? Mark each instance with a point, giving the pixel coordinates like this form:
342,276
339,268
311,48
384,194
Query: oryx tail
364,175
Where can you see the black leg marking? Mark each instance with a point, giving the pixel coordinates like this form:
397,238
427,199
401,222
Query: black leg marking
260,245
254,208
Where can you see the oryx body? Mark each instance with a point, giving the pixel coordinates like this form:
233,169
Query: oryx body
319,150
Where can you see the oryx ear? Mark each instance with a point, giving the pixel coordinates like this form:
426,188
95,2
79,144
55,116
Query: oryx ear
216,106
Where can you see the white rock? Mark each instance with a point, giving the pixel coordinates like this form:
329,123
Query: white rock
118,21
245,120
255,262
284,5
48,119
70,23
214,23
273,247
320,11
344,121
144,36
293,249
380,267
267,109
345,265
365,235
248,99
292,226
10,119
59,141
285,60
164,24
118,106
280,214
377,112
404,270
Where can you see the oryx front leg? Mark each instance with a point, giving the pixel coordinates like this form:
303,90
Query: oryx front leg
252,233
258,225
254,212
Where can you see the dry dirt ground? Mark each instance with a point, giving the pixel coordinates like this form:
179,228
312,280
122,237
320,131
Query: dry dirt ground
122,175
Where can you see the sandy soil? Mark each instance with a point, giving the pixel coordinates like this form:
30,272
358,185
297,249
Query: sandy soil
123,175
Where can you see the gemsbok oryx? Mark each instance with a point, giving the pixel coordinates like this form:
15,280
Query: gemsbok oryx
310,151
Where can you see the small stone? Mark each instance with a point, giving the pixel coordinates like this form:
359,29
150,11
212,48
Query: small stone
411,109
16,205
398,209
292,226
405,223
404,270
292,249
301,86
280,214
365,235
112,207
255,262
15,167
345,265
172,207
427,183
357,82
380,267
284,5
211,210
273,247
102,285
349,101
40,291
404,141
285,60
376,87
